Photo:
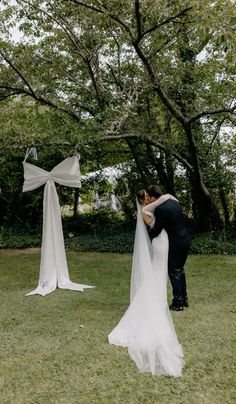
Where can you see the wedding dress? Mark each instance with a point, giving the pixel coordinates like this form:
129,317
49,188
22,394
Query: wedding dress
53,266
147,328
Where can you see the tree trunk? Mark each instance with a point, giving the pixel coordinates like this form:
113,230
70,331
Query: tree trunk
136,155
76,200
206,213
158,165
225,206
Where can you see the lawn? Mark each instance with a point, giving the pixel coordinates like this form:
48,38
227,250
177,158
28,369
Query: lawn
54,349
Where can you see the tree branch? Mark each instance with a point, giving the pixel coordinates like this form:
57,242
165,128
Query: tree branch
156,85
74,39
118,58
215,135
66,28
149,140
85,108
89,6
69,32
21,146
165,22
216,112
4,97
43,100
116,80
138,18
19,74
104,10
52,104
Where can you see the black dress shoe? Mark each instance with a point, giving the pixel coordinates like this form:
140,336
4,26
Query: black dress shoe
186,303
176,308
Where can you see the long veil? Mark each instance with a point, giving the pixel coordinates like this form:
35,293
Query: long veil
142,255
146,327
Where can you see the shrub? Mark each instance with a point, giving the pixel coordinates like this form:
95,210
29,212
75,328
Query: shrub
202,245
106,231
97,221
20,241
118,243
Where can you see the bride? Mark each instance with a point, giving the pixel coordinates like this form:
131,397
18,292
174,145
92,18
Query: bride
146,327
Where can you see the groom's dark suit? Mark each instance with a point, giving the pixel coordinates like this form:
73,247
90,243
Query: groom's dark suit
169,216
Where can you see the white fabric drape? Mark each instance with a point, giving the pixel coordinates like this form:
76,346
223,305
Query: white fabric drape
53,266
146,327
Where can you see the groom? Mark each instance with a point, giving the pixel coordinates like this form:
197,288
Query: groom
169,216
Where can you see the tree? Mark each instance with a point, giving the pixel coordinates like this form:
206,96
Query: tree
133,72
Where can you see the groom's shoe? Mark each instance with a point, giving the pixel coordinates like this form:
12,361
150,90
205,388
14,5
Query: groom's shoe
185,303
176,308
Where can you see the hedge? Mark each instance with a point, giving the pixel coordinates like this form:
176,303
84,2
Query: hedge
117,242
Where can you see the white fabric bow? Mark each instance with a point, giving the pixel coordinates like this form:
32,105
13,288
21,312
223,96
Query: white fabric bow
53,266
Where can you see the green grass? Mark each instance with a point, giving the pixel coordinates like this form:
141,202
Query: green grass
54,349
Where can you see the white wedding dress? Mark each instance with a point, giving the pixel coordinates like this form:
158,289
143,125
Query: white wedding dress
146,328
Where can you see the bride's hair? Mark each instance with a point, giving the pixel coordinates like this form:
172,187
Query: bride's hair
154,190
141,195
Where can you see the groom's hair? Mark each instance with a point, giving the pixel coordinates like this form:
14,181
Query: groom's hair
155,191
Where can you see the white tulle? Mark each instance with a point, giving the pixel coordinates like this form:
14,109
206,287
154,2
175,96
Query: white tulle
53,266
147,328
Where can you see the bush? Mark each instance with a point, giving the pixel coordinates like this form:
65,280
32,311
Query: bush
204,245
123,243
106,231
118,243
98,221
20,241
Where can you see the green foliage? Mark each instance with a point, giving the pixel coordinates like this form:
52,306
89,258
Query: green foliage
26,240
98,221
121,243
76,78
206,244
114,240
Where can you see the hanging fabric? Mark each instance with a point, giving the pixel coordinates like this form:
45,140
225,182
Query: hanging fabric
53,266
31,152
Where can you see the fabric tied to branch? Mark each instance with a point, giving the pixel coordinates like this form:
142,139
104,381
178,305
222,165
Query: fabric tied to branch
53,266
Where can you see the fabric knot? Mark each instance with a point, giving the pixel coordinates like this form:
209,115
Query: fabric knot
50,177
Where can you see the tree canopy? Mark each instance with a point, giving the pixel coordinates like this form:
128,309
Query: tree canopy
152,81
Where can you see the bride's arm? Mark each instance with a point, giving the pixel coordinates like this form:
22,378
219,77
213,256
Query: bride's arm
148,219
152,206
163,198
147,210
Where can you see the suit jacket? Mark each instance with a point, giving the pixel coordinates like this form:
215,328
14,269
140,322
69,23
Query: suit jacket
169,216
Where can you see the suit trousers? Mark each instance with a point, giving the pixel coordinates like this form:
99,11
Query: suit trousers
177,276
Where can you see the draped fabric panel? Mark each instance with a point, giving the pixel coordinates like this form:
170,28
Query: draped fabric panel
53,266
